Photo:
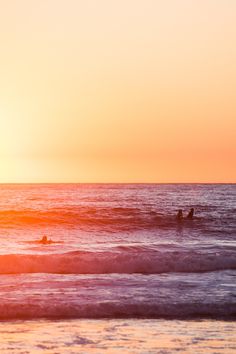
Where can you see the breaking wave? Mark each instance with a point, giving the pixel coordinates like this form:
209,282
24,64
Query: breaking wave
127,261
32,296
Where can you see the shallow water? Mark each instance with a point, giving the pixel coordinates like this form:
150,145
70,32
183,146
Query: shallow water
118,336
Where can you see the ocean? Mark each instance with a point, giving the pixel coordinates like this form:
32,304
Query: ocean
119,259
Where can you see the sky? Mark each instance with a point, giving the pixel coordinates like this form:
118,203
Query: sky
117,91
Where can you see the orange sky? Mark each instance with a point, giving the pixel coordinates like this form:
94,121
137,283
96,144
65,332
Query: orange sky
118,91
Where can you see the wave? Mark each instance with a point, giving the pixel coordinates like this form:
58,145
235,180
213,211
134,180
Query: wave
116,218
118,296
112,309
127,261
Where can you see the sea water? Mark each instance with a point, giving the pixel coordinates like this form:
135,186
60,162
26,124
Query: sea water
118,253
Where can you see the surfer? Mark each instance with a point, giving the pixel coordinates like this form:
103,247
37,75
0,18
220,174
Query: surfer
190,214
44,240
179,215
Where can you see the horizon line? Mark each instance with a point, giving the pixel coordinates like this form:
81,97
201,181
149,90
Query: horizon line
125,183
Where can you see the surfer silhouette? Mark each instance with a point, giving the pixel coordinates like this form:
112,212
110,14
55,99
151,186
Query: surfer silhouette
190,214
179,215
44,240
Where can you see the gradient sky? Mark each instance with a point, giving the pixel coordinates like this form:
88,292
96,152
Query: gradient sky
118,91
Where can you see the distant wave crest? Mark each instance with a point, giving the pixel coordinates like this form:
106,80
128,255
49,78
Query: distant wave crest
117,218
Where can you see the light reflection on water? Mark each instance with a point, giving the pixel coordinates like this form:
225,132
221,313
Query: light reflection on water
118,336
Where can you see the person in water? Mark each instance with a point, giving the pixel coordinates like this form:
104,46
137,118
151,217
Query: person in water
190,214
44,240
179,215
